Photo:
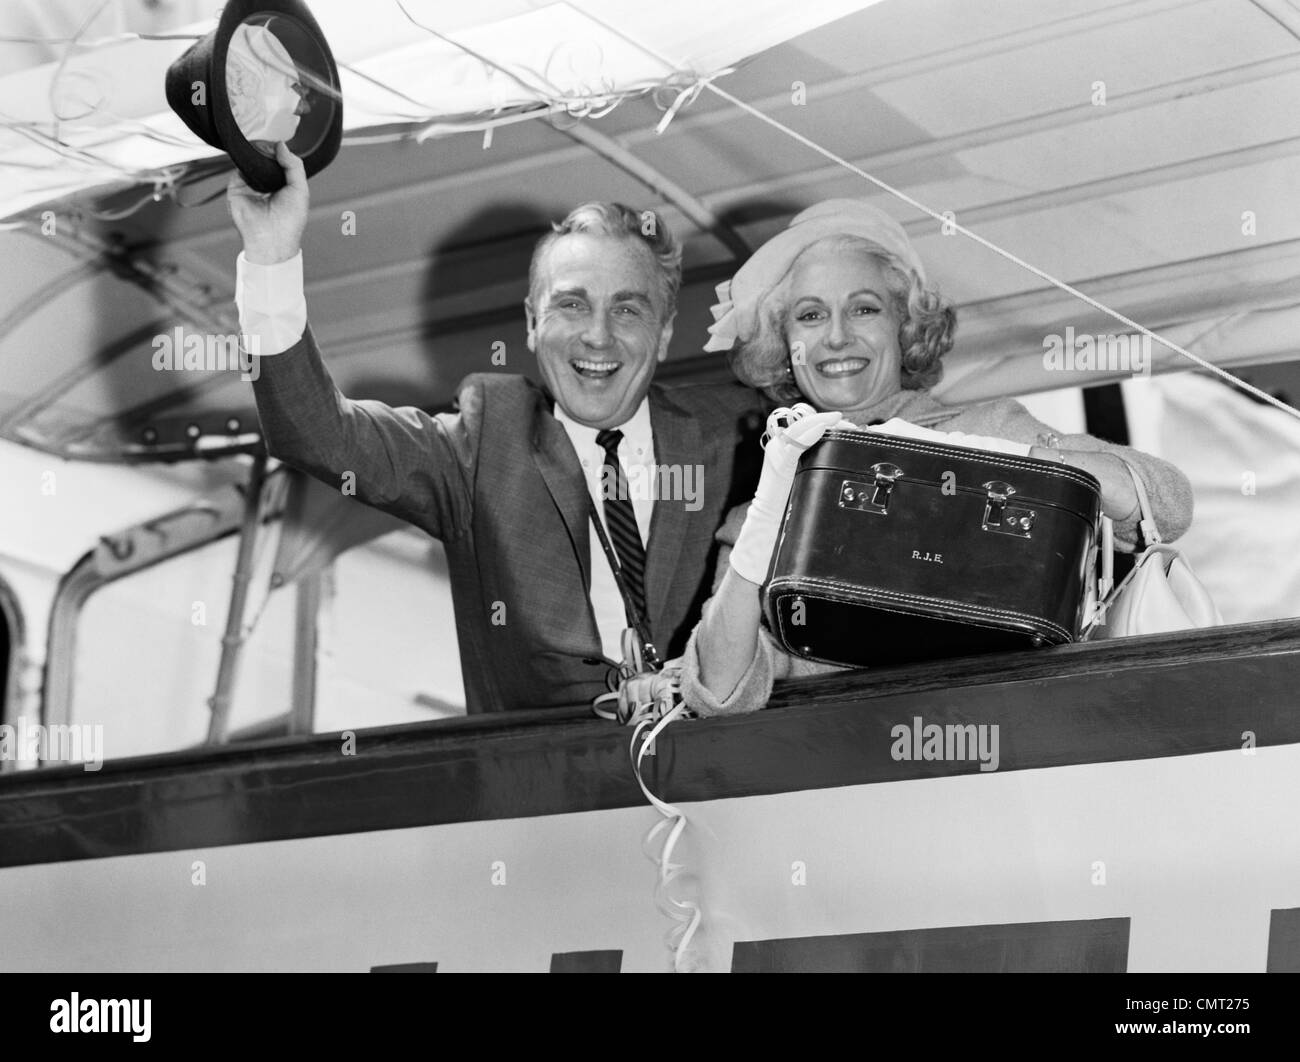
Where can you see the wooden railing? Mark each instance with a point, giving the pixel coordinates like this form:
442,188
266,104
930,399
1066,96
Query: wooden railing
1138,698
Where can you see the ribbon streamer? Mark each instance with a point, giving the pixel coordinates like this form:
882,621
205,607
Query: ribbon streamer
686,913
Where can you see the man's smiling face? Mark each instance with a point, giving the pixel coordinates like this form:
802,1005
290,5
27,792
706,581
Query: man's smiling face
598,323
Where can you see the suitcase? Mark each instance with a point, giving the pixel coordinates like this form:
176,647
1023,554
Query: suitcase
895,550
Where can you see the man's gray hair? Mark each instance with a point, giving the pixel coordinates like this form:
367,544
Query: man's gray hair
615,219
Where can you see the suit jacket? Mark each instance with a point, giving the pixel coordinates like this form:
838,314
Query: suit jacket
498,482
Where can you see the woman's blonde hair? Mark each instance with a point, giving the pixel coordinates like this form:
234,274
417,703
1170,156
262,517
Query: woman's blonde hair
925,331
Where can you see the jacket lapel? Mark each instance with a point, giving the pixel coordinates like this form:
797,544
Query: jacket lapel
562,474
677,444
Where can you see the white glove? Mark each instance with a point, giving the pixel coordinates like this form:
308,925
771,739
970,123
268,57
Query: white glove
951,438
752,552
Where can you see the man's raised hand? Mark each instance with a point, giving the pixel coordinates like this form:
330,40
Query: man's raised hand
271,225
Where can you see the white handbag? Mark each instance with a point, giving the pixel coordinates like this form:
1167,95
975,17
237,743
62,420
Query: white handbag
1160,594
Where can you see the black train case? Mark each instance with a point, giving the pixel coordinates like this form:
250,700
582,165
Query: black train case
895,550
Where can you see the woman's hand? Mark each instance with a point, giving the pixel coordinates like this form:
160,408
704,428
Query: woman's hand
271,225
753,550
727,637
1119,499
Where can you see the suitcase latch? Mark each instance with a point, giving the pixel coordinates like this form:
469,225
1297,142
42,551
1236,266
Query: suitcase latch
1006,519
872,497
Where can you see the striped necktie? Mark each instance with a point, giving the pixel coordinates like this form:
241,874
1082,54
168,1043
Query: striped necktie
620,520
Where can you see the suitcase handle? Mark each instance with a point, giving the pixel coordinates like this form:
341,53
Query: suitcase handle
1100,585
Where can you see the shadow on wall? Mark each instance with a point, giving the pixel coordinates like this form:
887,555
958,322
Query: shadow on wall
490,251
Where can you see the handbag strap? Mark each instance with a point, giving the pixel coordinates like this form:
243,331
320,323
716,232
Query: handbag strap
639,623
1150,533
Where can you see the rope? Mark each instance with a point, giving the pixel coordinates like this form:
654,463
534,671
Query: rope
1002,252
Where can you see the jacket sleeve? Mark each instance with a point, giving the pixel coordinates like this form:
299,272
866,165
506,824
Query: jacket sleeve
1168,488
404,461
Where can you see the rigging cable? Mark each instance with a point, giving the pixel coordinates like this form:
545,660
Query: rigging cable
950,223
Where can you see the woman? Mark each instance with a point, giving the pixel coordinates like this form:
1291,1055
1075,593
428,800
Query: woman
835,312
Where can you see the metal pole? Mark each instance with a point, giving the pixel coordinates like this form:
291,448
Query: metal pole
703,218
305,652
233,640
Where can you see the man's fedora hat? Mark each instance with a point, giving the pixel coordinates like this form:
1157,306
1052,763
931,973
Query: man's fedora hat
264,74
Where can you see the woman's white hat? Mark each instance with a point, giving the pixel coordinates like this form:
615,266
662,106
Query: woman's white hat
736,313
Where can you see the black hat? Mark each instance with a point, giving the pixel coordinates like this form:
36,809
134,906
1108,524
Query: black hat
197,88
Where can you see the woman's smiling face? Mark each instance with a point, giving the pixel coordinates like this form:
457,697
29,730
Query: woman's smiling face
842,328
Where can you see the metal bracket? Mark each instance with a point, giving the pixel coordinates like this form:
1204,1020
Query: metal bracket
1003,519
871,497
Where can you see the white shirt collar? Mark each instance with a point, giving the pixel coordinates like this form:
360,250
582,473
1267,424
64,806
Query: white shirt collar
636,431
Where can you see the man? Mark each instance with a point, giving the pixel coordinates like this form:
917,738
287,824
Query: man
511,481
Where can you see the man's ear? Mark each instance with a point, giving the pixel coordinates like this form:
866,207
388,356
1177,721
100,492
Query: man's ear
665,337
530,319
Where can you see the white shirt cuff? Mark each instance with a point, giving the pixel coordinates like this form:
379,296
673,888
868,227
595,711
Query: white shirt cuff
272,307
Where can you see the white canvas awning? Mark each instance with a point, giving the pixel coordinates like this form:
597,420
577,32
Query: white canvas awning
578,57
1145,151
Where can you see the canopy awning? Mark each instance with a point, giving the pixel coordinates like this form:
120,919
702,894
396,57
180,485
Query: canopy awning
1146,152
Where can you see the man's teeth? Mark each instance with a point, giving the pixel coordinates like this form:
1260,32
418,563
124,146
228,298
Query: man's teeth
596,368
843,366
